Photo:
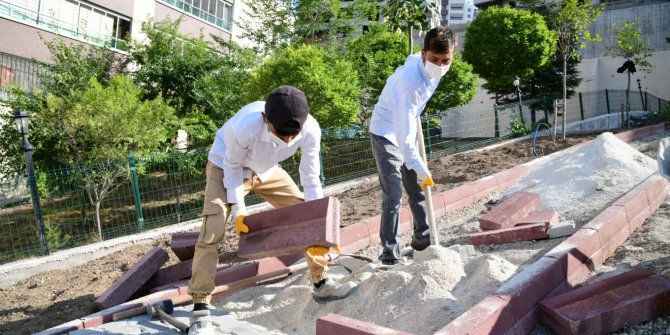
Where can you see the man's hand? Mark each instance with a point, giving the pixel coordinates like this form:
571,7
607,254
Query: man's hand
236,217
424,178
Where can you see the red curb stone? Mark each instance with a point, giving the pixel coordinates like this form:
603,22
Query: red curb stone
64,328
507,178
170,274
656,188
337,324
481,188
270,264
637,207
275,232
608,223
373,225
526,324
184,282
548,217
531,285
131,281
492,315
610,246
577,251
526,232
508,213
355,237
439,206
183,245
609,304
458,197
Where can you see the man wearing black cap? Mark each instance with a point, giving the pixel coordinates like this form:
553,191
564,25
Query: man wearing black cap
244,158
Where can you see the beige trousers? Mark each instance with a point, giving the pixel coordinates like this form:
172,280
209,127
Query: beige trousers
279,190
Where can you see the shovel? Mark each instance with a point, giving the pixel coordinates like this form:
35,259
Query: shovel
429,198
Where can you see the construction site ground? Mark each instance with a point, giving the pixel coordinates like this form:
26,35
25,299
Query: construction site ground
57,296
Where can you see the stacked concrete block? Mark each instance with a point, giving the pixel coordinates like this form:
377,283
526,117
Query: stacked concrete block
290,230
510,211
608,305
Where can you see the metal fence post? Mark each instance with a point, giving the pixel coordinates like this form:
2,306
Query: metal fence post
136,192
581,106
497,121
646,101
322,174
429,148
607,100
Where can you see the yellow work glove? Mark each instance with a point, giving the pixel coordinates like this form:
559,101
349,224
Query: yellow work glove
321,251
237,214
424,178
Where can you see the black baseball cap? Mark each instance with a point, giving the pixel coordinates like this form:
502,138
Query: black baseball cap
286,108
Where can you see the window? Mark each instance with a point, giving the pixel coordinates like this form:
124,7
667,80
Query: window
216,12
72,18
456,7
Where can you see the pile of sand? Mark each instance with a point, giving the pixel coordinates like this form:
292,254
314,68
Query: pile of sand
420,297
585,181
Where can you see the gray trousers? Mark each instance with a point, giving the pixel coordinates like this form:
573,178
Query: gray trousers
392,172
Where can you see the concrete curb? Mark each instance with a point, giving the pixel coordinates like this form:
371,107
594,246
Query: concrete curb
514,308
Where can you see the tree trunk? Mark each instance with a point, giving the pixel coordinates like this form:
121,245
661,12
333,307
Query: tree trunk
628,98
553,133
97,219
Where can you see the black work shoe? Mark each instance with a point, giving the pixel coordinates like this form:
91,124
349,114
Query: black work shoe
421,244
390,261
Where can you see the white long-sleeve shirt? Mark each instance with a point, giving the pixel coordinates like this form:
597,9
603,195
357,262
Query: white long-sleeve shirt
403,99
243,145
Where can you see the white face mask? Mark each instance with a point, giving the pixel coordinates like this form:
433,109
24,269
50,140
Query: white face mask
278,142
435,71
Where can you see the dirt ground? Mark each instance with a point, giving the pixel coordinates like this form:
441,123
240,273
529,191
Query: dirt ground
54,297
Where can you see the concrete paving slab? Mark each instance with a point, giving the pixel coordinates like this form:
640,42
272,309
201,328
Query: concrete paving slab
225,325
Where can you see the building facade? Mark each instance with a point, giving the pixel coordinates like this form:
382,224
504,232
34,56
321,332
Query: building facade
457,12
24,24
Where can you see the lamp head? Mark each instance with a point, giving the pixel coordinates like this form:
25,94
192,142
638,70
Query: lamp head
22,121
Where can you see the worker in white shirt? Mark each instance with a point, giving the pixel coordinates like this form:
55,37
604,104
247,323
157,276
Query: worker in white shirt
244,158
394,139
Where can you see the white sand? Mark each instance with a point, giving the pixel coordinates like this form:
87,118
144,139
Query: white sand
425,294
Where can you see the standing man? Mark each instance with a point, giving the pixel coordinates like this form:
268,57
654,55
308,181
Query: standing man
244,158
394,139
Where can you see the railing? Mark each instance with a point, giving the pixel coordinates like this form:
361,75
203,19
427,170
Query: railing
168,188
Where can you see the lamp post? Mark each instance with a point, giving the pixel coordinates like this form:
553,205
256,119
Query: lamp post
639,87
22,121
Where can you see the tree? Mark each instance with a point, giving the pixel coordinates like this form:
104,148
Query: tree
547,82
330,84
571,24
202,83
316,21
102,127
503,43
72,68
376,54
631,46
270,24
407,15
457,88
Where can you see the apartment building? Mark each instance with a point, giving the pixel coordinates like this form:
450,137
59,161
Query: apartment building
108,23
457,12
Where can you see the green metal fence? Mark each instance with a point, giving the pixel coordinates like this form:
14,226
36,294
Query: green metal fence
88,203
